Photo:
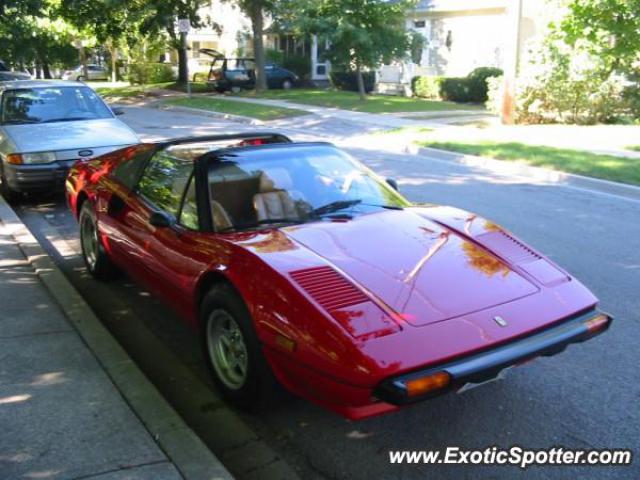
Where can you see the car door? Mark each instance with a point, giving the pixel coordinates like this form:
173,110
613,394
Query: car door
171,257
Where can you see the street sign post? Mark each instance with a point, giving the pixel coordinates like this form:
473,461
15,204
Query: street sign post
184,25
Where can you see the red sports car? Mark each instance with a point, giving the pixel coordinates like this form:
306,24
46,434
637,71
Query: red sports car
301,267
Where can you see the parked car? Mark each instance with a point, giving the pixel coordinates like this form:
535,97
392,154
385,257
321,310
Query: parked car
7,74
45,126
95,72
299,265
239,73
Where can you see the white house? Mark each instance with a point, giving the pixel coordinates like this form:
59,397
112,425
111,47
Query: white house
460,35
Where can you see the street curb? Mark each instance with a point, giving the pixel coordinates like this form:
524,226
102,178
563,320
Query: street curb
209,113
180,444
537,173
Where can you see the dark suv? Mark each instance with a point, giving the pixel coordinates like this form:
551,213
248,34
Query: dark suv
237,73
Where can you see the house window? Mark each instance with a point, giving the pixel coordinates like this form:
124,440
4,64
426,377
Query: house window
419,24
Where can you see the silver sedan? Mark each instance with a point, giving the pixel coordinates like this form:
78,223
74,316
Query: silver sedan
46,126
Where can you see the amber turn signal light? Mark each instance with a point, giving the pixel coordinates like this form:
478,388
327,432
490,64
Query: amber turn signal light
423,385
14,159
597,323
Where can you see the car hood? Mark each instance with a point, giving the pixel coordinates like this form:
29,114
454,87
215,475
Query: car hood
79,134
423,270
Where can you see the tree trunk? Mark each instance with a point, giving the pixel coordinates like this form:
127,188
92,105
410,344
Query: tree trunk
83,62
46,72
114,62
361,91
257,22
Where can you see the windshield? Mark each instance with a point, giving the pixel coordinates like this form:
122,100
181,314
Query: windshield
293,185
51,104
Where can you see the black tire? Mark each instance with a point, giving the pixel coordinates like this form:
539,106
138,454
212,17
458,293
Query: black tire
80,78
94,255
287,84
259,389
7,192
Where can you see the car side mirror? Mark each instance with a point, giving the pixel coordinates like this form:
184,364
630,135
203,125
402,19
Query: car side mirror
117,111
161,219
393,183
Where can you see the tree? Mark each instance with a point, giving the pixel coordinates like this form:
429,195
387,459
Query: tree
608,30
255,10
109,21
161,16
30,34
362,33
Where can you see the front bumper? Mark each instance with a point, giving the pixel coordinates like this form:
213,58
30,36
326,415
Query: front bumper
49,177
484,366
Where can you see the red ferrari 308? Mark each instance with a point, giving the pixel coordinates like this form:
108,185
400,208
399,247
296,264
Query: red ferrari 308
299,266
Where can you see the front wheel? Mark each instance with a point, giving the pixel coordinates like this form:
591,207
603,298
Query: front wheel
95,257
80,78
287,84
233,352
7,192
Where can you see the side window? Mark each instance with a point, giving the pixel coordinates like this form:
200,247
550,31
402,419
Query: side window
164,181
189,213
128,171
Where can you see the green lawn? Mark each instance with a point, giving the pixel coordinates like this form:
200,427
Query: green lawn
253,110
405,130
635,148
618,169
351,101
126,91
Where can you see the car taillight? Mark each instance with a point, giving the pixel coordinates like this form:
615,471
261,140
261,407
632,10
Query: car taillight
430,383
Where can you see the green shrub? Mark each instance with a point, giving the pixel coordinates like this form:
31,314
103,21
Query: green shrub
456,89
477,82
143,73
348,81
274,56
298,64
495,94
472,88
426,87
631,96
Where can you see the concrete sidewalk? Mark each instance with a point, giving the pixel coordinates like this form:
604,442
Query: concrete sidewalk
72,404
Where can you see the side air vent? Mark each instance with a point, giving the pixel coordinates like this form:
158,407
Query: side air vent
508,247
327,287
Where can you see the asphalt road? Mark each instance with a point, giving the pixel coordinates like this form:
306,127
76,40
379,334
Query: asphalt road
588,397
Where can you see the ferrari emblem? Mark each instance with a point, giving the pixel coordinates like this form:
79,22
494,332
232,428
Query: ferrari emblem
500,321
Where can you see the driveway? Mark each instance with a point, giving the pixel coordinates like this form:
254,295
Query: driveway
587,397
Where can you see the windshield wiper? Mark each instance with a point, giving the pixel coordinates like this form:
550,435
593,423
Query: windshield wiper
266,221
342,204
334,207
18,122
68,119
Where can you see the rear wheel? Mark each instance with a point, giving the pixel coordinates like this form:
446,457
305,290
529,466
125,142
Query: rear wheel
233,352
95,257
287,84
80,78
